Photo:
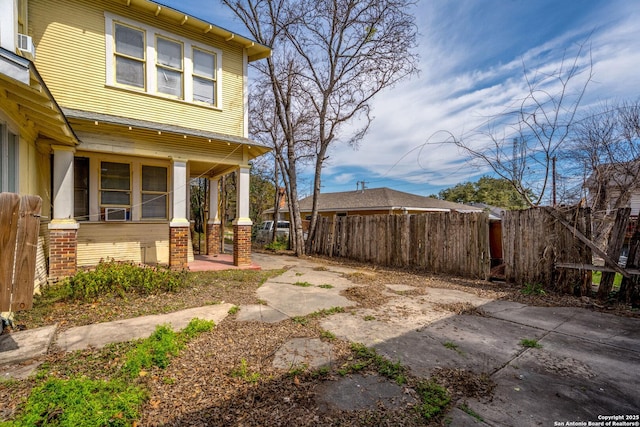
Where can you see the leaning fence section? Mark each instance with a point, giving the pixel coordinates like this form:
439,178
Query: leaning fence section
439,242
534,242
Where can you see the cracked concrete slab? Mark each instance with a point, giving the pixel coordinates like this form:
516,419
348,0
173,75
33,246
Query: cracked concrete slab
568,379
260,313
25,345
480,344
303,352
100,334
299,301
362,392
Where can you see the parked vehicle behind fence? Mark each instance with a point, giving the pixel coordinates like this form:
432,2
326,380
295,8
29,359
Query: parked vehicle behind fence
265,231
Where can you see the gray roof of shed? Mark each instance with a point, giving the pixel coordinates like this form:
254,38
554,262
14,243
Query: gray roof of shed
381,198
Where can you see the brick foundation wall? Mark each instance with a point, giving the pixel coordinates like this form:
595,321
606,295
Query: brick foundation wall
178,248
213,239
241,245
63,251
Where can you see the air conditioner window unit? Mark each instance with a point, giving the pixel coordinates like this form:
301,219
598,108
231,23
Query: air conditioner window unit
25,44
116,214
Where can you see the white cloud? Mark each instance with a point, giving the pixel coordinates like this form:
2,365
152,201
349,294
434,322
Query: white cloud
411,114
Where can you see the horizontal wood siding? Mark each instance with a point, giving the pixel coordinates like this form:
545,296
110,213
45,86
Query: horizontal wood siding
137,242
70,40
439,242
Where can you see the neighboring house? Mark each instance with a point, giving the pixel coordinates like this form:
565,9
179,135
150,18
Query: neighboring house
131,99
609,181
375,201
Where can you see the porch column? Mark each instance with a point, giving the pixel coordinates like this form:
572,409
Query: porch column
179,225
213,224
63,228
242,224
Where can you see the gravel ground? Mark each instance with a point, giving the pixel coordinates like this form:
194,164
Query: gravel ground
202,385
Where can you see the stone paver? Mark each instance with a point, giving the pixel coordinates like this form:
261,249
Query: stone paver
260,313
100,334
303,353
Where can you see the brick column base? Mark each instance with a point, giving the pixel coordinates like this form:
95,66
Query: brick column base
241,245
178,241
63,250
213,238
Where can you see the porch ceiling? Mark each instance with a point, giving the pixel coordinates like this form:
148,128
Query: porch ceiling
32,105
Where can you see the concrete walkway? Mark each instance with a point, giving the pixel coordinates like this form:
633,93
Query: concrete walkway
588,364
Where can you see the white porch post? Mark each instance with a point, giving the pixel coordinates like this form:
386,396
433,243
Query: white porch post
242,223
213,223
179,225
179,200
63,184
63,228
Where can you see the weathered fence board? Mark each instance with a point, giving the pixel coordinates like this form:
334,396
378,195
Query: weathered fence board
19,227
439,242
9,207
534,242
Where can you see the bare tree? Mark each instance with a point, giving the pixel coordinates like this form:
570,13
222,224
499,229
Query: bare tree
266,21
522,144
351,50
606,144
331,58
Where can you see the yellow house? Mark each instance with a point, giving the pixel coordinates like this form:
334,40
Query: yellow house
131,99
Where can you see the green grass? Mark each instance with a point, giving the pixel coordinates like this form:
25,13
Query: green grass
365,357
533,289
302,284
369,317
530,343
244,373
471,412
596,276
452,346
233,310
82,401
433,399
327,335
326,286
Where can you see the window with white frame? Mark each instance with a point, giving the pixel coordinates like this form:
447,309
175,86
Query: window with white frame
204,76
129,51
8,160
154,192
145,58
169,67
115,184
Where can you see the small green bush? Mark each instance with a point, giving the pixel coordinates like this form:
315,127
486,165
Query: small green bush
115,278
281,243
533,289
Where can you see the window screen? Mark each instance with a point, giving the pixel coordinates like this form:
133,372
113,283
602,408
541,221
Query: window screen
129,56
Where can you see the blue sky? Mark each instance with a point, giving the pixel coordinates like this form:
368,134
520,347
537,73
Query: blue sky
472,55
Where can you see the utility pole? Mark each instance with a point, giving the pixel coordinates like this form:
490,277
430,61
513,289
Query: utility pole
553,180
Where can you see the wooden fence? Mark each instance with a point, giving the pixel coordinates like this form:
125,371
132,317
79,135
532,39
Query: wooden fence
440,242
19,226
534,242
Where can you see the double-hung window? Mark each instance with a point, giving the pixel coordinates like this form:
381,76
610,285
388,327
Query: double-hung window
8,160
154,192
169,67
204,76
129,55
150,60
115,184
